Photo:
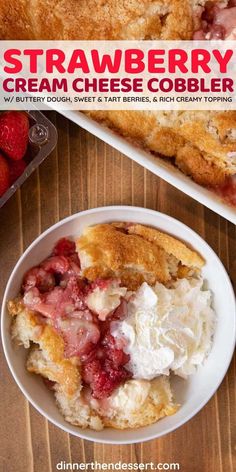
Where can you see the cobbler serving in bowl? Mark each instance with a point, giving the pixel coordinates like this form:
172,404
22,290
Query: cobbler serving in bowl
109,318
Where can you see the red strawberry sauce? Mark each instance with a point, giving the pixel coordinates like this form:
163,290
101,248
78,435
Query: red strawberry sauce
217,22
57,291
228,190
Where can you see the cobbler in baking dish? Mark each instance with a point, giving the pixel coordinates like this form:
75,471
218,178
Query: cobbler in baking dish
125,20
109,319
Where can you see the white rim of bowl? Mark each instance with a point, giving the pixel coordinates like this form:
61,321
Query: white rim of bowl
4,336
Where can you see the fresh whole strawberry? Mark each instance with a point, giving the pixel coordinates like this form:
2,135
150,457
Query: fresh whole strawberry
16,169
14,129
4,175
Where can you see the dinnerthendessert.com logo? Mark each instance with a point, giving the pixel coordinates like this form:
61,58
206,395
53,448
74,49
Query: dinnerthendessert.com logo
62,465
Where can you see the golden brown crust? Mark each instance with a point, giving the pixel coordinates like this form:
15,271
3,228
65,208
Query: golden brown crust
15,306
63,372
171,245
158,403
132,279
208,137
208,133
152,402
27,328
111,252
134,254
96,19
202,170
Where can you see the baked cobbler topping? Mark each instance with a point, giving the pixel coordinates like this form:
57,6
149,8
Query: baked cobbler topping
217,21
106,335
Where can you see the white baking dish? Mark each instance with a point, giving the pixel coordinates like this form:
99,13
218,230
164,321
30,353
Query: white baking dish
156,165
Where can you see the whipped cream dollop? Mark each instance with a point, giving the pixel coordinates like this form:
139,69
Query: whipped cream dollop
167,328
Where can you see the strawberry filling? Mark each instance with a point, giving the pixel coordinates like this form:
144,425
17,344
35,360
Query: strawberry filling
104,370
56,291
80,335
217,22
228,190
64,247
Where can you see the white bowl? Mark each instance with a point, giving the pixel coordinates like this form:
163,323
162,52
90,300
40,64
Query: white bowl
193,393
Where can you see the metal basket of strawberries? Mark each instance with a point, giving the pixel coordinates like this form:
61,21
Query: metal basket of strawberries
26,139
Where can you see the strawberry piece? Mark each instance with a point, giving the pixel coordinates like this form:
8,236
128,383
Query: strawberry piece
94,376
103,369
102,377
79,335
117,357
14,129
39,278
90,370
64,247
116,375
4,175
16,169
56,264
102,385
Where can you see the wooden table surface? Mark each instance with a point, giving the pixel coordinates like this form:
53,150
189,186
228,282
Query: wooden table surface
82,173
